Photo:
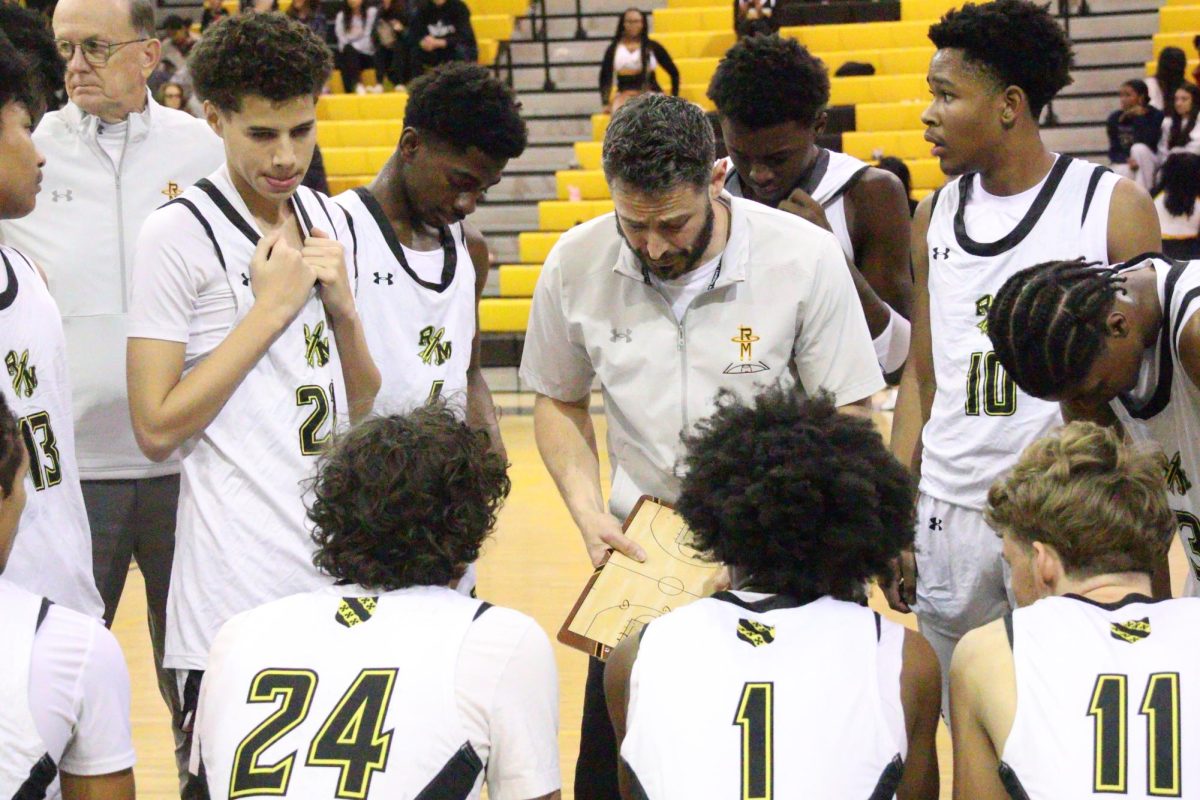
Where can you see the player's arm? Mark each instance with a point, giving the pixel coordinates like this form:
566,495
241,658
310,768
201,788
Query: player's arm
1132,223
117,786
481,410
167,407
881,236
617,670
921,696
982,686
326,257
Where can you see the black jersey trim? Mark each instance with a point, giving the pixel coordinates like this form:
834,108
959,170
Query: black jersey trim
9,295
190,206
483,606
850,183
1012,784
302,215
1093,182
353,238
889,779
636,790
933,203
1127,600
878,627
41,775
1008,628
225,207
773,602
456,779
449,251
321,203
1017,235
42,612
1166,366
1180,316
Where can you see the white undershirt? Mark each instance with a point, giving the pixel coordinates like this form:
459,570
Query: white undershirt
989,218
681,291
427,264
111,137
626,60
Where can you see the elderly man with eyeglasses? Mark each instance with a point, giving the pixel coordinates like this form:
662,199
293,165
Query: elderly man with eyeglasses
113,155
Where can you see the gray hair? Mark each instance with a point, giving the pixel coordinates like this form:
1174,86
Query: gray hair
141,16
656,142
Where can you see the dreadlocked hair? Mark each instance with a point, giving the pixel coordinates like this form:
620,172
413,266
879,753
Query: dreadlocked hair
1047,323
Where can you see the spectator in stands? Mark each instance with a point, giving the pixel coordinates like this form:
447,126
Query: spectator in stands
1133,133
751,17
898,168
1179,131
259,6
355,51
29,32
1196,71
1168,76
173,95
633,56
441,32
1178,211
392,44
309,12
214,11
177,39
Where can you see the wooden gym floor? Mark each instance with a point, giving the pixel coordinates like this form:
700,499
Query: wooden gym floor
534,563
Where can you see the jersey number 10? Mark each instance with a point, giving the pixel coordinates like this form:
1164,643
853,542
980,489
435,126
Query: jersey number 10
988,382
1160,707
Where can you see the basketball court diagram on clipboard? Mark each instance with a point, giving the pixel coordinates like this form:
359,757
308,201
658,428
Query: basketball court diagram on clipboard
624,596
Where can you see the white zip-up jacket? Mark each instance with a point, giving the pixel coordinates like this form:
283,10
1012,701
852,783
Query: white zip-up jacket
82,233
781,308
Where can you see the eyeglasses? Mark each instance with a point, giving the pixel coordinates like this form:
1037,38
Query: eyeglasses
95,52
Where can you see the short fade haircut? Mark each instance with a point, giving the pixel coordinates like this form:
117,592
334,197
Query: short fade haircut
15,83
767,80
1102,505
1017,43
656,142
12,449
465,106
805,500
141,17
406,500
263,55
33,39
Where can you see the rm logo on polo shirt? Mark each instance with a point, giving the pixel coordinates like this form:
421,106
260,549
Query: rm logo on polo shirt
745,365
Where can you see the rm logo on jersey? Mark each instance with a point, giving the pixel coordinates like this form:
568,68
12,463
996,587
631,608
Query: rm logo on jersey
1177,479
433,349
982,306
23,374
755,633
172,191
745,365
355,610
316,345
1132,631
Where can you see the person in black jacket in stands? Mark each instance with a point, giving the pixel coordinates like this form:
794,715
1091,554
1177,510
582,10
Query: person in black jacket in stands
633,56
441,32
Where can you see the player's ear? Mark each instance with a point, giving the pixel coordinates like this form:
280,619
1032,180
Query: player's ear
717,182
1015,103
1118,325
214,118
149,56
1047,569
822,121
410,142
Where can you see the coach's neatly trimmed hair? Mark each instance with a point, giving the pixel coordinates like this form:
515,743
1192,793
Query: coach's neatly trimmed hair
406,500
466,106
30,34
656,142
1100,504
15,85
12,449
767,80
802,499
261,55
1016,42
1047,323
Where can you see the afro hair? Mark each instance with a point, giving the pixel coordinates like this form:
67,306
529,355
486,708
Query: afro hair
466,106
765,80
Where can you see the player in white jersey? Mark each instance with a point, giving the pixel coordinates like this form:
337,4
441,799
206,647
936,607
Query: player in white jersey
787,686
245,345
389,683
960,421
424,267
1090,688
771,95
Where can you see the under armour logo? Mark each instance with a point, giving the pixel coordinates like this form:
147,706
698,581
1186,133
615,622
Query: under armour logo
245,279
65,195
24,375
617,335
940,253
383,278
935,524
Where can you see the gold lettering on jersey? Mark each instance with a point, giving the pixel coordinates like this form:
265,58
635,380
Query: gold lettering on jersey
316,345
355,610
1132,631
23,374
982,306
432,348
1177,479
755,633
745,364
172,191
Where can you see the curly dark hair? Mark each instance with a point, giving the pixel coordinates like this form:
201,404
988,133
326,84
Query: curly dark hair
30,34
656,142
15,85
1017,42
406,500
12,446
266,55
803,499
466,106
766,80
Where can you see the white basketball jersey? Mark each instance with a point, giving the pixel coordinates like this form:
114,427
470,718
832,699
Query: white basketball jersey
1165,406
1108,699
832,175
52,555
731,698
359,690
981,420
242,536
26,769
419,331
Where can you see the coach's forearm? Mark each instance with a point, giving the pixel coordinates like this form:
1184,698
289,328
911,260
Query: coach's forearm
566,441
359,372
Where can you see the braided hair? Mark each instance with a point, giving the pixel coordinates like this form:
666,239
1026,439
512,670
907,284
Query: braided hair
1047,323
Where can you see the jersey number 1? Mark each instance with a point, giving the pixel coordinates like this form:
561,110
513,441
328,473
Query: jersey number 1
987,381
1160,707
755,716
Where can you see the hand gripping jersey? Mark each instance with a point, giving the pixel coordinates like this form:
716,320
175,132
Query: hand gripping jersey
359,690
1165,406
242,537
419,331
730,698
1108,699
52,555
981,420
26,769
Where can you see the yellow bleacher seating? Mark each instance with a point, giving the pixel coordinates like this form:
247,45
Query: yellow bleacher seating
590,183
1173,19
926,174
587,154
355,160
861,36
599,126
516,8
877,89
902,144
1180,39
492,26
504,314
926,9
891,61
1192,64
488,48
557,215
696,18
343,183
534,246
697,44
359,133
518,280
386,106
903,116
